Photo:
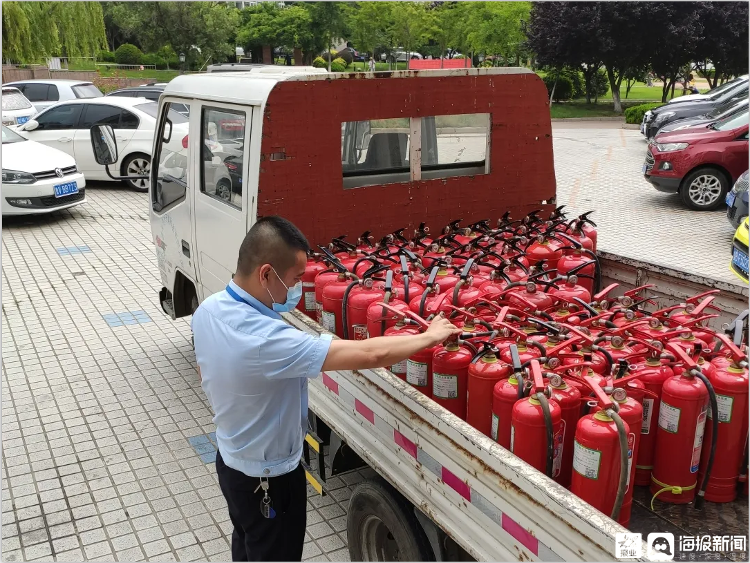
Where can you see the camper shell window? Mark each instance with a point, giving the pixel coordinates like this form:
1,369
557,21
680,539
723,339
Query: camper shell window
381,151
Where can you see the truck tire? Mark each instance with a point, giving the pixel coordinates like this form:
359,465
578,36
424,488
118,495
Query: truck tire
382,526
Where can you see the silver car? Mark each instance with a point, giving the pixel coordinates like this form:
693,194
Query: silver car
45,93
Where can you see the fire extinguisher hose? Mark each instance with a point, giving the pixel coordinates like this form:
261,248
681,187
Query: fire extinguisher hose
623,483
541,397
700,499
344,302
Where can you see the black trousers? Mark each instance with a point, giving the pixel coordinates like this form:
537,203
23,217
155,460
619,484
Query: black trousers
256,538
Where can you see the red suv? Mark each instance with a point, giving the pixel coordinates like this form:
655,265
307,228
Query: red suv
700,163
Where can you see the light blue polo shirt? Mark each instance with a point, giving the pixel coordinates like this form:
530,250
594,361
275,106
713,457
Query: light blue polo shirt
254,368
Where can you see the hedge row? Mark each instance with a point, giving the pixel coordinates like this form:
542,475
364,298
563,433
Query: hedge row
634,114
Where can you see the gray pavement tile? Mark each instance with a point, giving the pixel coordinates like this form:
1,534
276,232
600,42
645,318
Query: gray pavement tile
65,544
310,549
132,554
319,530
96,550
156,548
72,556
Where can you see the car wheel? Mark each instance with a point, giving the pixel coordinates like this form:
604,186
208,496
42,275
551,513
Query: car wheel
137,165
224,189
704,189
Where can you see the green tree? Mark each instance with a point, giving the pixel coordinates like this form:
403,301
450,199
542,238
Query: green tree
34,30
412,24
203,31
369,24
495,28
327,24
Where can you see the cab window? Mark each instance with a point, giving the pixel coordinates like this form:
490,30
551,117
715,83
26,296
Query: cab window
222,149
171,155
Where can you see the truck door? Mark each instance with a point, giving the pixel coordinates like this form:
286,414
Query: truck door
221,198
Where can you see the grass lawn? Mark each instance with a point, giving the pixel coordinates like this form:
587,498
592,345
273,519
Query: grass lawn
159,75
581,109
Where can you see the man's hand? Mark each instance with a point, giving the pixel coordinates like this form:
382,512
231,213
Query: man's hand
441,329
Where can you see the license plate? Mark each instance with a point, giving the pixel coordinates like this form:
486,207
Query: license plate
22,120
740,260
61,190
730,199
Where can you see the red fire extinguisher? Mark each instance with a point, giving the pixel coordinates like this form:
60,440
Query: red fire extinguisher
485,370
333,299
315,265
653,373
731,386
323,278
450,372
600,457
631,413
504,395
536,421
404,326
357,298
679,436
569,399
377,321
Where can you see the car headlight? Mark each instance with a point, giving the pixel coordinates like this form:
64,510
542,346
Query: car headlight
671,147
664,116
15,177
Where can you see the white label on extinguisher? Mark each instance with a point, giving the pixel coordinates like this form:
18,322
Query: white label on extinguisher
328,320
495,424
631,447
416,373
359,332
558,455
309,300
698,442
669,417
445,386
724,402
586,461
399,368
648,411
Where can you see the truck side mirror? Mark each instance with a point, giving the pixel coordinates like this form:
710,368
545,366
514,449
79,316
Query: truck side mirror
104,144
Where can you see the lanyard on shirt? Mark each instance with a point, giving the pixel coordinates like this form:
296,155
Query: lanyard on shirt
237,297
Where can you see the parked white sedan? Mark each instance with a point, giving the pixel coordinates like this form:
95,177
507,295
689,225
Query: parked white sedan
67,127
38,179
17,110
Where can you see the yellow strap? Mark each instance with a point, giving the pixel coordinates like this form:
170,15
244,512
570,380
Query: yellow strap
675,490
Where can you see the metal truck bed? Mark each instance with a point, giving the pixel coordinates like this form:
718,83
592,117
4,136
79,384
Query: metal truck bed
495,506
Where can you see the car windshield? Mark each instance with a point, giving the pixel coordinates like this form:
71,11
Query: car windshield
151,108
87,91
13,100
11,136
716,92
721,108
731,122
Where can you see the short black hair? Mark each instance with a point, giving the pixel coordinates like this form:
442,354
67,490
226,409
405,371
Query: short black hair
272,240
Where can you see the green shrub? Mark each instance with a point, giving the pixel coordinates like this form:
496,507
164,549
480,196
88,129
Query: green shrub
599,85
576,80
485,64
128,54
460,57
105,57
154,59
634,114
320,62
346,56
338,65
564,88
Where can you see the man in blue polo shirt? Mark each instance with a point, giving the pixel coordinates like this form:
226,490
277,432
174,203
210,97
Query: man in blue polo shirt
254,369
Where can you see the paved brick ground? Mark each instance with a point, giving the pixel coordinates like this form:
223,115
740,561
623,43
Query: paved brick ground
600,168
107,449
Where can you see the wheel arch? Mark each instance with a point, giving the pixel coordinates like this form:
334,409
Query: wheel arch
718,167
183,291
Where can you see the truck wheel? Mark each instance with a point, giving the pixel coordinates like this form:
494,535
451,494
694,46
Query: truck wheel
382,526
704,189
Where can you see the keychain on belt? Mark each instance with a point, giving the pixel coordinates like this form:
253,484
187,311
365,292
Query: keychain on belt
266,505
